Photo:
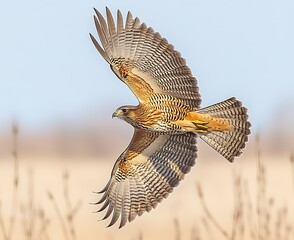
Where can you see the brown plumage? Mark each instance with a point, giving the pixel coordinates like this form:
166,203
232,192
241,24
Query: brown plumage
166,121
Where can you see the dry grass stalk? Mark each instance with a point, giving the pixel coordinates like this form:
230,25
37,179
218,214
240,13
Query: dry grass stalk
177,229
4,233
71,210
292,166
34,221
67,222
59,215
28,210
207,228
15,132
264,203
140,236
209,215
252,226
278,225
260,188
238,222
7,233
43,233
195,233
284,223
269,218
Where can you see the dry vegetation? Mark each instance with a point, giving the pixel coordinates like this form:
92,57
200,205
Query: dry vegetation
262,222
33,220
260,218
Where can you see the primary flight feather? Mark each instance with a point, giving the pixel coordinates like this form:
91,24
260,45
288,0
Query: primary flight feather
167,120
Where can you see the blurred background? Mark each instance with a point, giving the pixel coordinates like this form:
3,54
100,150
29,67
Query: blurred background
60,93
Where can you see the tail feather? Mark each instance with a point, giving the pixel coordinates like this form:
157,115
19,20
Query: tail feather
228,143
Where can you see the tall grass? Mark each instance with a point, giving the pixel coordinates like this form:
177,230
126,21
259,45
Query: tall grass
8,229
292,166
261,219
34,220
66,220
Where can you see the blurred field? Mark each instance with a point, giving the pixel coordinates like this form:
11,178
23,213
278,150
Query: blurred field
55,84
51,200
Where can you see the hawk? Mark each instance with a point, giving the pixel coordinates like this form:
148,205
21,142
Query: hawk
166,122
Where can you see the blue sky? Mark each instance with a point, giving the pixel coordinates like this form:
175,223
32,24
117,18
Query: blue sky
51,71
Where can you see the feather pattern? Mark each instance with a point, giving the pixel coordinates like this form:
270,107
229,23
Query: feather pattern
146,54
151,174
228,143
163,147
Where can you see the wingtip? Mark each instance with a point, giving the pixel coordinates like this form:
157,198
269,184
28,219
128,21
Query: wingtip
96,11
119,13
130,16
95,191
121,225
94,41
91,36
98,202
109,225
108,12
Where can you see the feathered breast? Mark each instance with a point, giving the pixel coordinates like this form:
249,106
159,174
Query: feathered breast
147,116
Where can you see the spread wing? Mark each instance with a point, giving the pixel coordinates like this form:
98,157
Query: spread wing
146,172
144,60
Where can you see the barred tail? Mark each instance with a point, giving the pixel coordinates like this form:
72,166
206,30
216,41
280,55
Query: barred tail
228,143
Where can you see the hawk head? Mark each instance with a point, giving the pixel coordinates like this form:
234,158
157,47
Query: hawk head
126,113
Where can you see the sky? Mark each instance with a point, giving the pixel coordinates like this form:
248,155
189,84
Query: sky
50,70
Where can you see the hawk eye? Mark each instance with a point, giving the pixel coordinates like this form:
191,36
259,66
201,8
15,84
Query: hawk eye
124,110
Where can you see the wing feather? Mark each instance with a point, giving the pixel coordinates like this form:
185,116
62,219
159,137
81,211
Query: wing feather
126,204
146,56
117,202
103,25
146,172
109,210
120,23
112,31
98,47
102,31
111,24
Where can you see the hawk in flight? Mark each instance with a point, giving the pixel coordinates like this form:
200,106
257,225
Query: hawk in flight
166,122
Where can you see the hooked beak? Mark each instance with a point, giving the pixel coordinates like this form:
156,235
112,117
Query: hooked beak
115,114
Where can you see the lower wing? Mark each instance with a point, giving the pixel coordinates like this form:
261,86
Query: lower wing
146,172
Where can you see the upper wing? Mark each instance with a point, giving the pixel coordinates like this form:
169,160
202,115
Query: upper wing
146,172
144,60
